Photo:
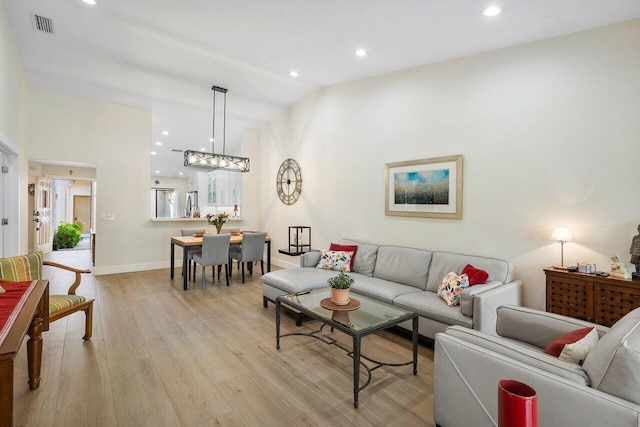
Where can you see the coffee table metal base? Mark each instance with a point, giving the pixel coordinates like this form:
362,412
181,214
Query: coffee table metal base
354,353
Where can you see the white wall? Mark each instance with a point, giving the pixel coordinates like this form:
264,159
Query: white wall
116,139
549,131
13,92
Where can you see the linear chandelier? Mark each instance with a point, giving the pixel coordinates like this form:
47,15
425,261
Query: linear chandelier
213,161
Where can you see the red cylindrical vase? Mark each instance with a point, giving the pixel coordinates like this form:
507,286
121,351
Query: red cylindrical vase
517,405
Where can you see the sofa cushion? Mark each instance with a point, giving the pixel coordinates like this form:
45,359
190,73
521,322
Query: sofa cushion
444,262
349,248
380,289
22,268
428,304
335,260
451,288
366,255
403,265
292,280
476,276
613,363
522,353
535,327
573,346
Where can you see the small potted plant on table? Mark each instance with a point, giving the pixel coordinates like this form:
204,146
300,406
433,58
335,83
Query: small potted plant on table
340,285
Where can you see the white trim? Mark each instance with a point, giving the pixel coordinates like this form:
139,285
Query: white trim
7,146
10,244
130,268
284,264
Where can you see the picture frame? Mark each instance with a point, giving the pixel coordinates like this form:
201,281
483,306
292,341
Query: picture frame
428,188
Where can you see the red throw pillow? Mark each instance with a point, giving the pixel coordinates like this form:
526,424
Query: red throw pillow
345,248
476,276
573,346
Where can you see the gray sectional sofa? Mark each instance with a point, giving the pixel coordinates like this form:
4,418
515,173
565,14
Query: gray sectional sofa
409,278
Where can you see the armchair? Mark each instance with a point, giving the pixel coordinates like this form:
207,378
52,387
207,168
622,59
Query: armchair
604,391
29,267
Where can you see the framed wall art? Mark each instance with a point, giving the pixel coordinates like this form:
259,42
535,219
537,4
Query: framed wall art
430,188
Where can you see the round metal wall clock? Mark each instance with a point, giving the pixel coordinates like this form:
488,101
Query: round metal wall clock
289,182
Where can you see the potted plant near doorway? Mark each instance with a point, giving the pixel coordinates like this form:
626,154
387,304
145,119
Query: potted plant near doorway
340,286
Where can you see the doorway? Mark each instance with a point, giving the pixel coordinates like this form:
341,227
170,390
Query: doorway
71,205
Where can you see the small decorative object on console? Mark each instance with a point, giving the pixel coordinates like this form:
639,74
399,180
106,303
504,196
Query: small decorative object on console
635,254
618,269
2,290
583,267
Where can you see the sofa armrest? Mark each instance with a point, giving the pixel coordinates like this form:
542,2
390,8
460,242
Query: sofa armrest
486,303
465,372
468,294
537,327
310,259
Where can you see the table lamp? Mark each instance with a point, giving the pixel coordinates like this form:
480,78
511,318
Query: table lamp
563,235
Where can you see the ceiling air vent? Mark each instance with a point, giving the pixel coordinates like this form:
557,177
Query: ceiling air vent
40,23
175,150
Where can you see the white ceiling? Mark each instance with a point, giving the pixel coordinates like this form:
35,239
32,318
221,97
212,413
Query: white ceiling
164,55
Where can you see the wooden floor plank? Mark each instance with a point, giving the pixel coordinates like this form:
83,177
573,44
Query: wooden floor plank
162,356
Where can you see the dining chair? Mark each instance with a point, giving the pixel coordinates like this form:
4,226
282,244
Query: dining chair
251,249
215,251
187,232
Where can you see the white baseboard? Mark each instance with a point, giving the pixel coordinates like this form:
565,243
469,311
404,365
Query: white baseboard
130,268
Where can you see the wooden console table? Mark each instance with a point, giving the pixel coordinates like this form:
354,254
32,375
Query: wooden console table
32,318
602,300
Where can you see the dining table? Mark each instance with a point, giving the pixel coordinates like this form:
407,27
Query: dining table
190,243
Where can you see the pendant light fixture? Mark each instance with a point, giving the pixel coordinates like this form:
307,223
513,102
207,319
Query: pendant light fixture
213,161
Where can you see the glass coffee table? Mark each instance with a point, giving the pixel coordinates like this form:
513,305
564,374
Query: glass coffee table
370,317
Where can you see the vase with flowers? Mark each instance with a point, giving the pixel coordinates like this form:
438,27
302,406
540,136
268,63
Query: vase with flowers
218,220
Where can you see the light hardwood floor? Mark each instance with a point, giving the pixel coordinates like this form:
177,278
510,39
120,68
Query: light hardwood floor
162,356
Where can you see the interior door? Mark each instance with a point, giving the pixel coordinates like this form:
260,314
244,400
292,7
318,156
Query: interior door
42,215
82,212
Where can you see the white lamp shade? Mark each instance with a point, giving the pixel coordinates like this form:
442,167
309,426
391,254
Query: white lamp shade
562,234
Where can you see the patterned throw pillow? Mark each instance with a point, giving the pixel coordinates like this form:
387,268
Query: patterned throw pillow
451,288
335,260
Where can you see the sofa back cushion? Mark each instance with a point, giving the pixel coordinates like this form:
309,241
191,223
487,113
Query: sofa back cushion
22,268
406,266
612,365
366,255
445,262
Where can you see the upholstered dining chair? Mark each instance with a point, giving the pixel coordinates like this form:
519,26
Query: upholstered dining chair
185,232
215,251
29,267
251,249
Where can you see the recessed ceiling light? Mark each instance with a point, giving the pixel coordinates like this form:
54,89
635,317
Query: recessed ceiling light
210,139
157,171
293,73
203,149
91,2
492,11
361,52
180,173
153,153
164,132
158,143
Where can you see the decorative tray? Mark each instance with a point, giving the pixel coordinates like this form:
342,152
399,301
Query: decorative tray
353,304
